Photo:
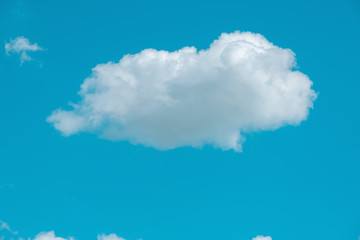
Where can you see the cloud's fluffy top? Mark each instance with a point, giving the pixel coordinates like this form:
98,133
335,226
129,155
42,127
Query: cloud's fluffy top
21,46
242,83
50,236
109,237
262,238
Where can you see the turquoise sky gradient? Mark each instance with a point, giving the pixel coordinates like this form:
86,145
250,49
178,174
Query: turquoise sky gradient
293,183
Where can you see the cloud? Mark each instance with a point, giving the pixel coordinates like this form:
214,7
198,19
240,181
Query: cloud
241,84
22,46
5,226
50,236
109,237
262,238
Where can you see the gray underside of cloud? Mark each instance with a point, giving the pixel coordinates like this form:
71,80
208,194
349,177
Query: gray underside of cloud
242,83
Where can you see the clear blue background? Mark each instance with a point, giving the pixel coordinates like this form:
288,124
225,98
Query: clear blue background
294,183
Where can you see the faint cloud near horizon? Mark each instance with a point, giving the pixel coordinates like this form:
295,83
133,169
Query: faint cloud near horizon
50,235
5,226
21,46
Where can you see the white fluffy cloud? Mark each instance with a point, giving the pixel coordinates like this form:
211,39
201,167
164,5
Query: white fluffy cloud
242,83
262,238
21,46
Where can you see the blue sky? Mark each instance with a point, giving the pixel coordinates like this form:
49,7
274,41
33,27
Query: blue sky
296,182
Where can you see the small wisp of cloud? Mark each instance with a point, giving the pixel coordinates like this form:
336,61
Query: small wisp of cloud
21,46
109,237
5,226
